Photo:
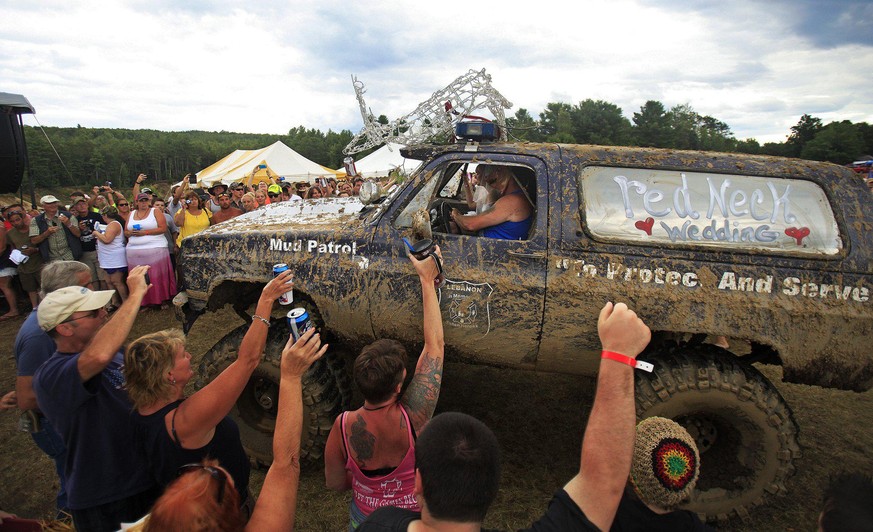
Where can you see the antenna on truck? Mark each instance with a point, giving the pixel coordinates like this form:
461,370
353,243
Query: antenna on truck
437,115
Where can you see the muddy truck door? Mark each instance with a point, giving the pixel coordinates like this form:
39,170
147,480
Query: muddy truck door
492,302
768,253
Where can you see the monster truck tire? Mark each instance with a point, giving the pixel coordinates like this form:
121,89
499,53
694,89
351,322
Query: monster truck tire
340,369
744,429
255,410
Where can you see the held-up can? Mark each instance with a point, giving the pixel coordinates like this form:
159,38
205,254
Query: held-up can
287,297
298,322
426,248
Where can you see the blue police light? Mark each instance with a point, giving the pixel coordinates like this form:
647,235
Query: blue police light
478,131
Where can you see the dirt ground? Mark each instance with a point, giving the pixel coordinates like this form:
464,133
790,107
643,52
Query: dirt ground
538,419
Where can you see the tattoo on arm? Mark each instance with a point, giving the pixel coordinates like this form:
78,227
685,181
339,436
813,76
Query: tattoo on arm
362,442
421,396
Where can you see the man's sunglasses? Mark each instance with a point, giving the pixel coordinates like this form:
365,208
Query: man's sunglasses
92,314
273,195
214,472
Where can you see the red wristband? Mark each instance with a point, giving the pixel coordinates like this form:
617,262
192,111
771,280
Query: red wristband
632,362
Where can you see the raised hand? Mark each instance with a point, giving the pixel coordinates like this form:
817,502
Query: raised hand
298,356
621,330
284,282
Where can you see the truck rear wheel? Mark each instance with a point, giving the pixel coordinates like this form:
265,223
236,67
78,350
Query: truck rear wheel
255,410
744,429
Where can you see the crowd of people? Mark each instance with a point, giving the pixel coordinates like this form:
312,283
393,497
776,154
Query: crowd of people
131,447
113,233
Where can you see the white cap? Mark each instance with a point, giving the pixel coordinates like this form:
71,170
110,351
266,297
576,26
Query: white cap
61,304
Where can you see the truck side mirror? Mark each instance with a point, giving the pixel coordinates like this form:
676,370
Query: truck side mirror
371,191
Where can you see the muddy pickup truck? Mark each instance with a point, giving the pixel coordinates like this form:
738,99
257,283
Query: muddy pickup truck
772,253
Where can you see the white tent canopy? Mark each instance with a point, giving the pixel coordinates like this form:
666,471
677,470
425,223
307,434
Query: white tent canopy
384,160
282,160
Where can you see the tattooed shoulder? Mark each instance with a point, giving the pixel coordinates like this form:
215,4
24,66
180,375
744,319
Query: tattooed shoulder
362,441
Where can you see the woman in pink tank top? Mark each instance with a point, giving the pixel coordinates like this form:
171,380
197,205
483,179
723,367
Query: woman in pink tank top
371,450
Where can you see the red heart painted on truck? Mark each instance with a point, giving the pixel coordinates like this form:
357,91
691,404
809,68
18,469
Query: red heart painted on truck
645,225
798,234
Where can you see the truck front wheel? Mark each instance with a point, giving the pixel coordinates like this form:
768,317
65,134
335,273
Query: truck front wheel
744,430
255,409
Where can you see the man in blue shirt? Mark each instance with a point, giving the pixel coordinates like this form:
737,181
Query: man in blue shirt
80,389
32,348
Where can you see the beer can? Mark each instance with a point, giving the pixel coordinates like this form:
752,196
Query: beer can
287,297
298,322
349,165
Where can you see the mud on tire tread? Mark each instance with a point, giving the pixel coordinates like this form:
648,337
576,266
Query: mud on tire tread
710,381
322,397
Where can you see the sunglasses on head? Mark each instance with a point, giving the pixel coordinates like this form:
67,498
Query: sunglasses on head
214,472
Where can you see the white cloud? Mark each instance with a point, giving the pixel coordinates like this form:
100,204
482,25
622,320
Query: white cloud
269,67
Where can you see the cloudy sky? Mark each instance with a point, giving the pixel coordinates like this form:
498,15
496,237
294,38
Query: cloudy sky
264,67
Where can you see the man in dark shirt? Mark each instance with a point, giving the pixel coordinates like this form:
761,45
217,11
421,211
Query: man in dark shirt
236,193
80,389
664,471
86,219
32,348
457,462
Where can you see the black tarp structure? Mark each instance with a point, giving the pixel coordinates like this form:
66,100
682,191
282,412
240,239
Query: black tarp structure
13,150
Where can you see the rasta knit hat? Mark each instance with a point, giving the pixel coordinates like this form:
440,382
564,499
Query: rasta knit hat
666,463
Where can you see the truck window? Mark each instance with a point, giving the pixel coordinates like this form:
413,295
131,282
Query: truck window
452,188
707,210
419,201
445,191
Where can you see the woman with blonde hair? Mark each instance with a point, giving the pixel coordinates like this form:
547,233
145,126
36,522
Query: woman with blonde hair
260,197
249,202
176,430
205,497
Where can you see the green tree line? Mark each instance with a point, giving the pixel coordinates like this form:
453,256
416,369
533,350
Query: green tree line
680,127
91,156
